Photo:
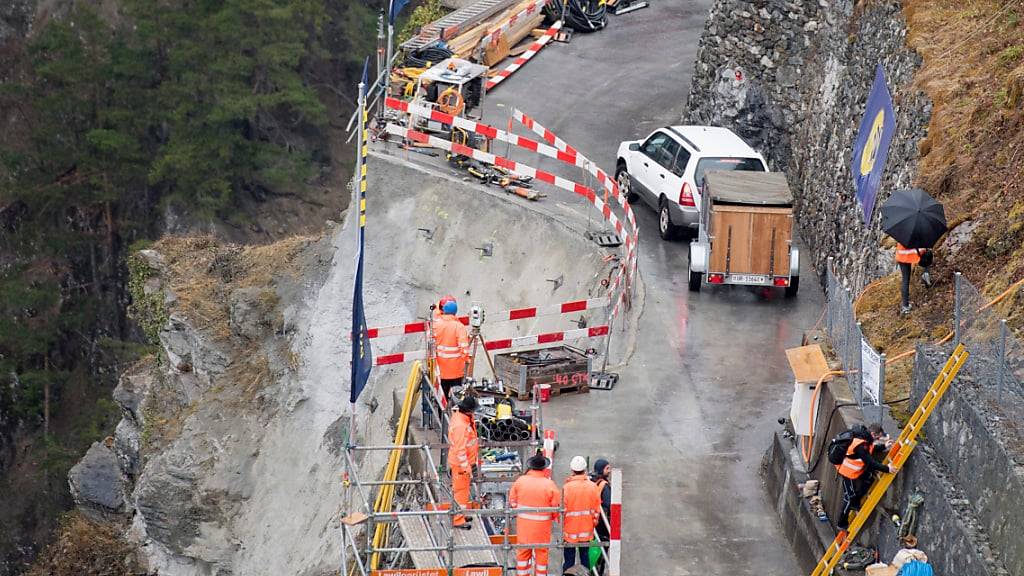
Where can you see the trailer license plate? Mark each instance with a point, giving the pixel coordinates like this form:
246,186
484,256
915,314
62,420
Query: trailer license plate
748,279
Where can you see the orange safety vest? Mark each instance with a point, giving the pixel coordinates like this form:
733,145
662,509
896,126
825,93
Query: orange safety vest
582,508
907,255
464,446
534,490
853,468
451,340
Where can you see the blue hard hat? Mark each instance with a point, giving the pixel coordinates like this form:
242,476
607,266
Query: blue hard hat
450,307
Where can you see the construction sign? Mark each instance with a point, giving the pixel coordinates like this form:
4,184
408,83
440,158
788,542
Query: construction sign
493,571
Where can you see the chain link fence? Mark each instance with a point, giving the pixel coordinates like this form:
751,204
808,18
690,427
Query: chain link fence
864,366
997,355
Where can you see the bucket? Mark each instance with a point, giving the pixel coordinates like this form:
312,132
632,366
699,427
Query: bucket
545,392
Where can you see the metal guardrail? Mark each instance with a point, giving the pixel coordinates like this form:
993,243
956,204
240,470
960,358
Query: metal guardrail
862,363
997,356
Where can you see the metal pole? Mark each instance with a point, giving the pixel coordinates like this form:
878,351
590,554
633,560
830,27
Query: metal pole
380,58
1002,359
859,354
881,387
847,358
830,287
958,278
386,81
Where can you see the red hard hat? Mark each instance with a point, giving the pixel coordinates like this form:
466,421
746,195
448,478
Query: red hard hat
442,301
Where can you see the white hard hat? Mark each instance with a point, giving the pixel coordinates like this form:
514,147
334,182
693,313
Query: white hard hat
578,464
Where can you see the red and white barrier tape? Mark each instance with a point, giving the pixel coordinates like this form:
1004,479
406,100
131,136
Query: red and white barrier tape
525,57
531,8
615,525
504,343
503,316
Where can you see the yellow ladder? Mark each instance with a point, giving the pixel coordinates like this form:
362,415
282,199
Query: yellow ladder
897,456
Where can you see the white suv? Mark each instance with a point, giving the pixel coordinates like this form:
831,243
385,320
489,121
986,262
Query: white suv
667,170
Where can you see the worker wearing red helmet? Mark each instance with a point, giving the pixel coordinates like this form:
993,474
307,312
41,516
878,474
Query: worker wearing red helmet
451,341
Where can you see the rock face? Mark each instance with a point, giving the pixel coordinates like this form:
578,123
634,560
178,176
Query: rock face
97,484
792,79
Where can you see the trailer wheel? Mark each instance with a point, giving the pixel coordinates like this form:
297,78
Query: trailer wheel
794,285
696,278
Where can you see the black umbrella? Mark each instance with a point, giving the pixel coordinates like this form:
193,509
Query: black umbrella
913,218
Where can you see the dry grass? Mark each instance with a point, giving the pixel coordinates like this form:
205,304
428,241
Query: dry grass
86,548
202,273
972,161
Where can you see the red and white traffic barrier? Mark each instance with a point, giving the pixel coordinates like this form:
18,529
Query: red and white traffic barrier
503,344
485,130
615,525
525,57
517,168
503,316
602,177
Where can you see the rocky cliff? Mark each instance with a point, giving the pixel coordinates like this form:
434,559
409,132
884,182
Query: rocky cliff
792,79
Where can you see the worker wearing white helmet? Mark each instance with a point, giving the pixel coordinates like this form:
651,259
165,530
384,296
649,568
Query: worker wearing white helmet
582,500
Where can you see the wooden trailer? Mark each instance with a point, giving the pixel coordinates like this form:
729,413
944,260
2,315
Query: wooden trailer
746,232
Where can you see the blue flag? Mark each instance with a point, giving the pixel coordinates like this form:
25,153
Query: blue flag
872,145
362,354
396,7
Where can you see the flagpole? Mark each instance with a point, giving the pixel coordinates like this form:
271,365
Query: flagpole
359,209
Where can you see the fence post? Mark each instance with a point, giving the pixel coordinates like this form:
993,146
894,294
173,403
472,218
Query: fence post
829,289
881,387
957,296
1002,359
847,356
860,356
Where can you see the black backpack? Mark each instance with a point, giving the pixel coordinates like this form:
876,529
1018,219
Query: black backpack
840,444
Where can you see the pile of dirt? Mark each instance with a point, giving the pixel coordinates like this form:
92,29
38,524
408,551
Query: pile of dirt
972,161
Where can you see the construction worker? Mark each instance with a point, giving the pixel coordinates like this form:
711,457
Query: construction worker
534,490
582,500
858,468
451,339
601,478
463,452
906,258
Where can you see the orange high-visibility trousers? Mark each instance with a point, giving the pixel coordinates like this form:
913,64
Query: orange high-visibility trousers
460,486
536,558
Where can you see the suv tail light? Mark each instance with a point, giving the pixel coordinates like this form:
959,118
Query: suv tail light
686,196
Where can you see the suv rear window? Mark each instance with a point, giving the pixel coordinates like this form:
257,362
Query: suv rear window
726,165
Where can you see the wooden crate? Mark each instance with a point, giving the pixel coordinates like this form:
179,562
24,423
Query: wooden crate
569,371
744,235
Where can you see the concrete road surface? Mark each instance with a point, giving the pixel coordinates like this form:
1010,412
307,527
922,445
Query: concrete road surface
694,410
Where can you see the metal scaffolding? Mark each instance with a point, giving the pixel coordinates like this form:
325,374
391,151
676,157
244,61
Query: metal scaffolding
421,539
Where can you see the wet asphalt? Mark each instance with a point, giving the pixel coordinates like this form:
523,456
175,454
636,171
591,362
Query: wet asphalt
696,406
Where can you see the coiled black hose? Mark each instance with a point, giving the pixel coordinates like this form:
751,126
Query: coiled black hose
581,15
427,56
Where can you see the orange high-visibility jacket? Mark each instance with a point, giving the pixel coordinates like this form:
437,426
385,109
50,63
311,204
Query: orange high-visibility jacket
582,508
853,468
464,447
452,342
534,490
907,255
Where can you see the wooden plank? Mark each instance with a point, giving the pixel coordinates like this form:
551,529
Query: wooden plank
749,249
807,363
417,535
